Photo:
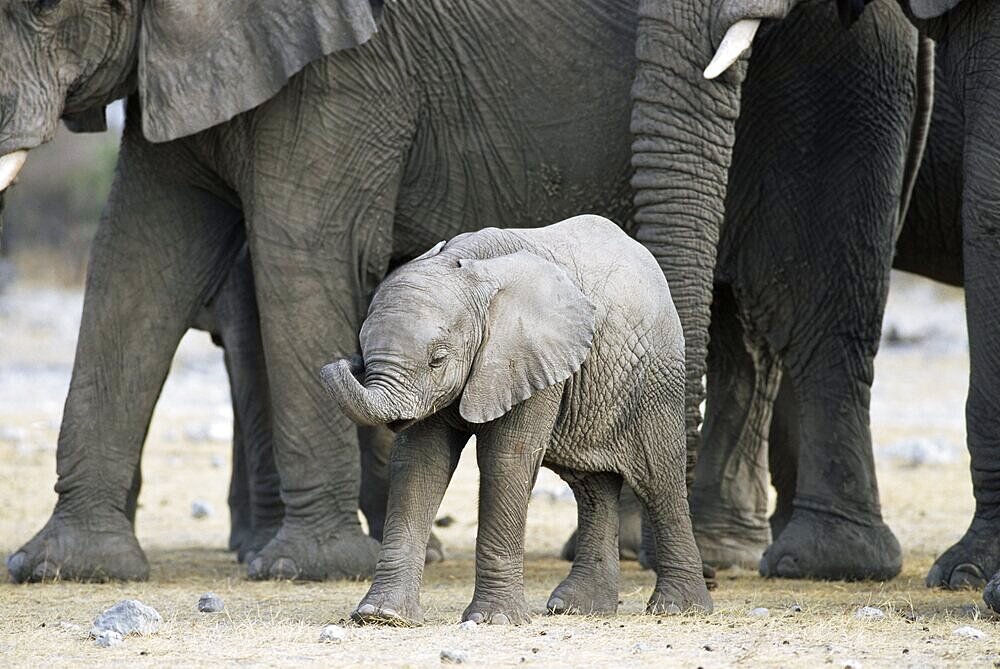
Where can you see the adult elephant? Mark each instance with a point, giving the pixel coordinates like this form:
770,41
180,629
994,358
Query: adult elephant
779,182
343,149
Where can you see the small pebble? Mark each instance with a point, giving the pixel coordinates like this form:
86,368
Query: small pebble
640,648
108,639
128,616
850,664
454,656
200,509
795,608
210,603
73,628
869,613
332,634
467,625
967,632
760,612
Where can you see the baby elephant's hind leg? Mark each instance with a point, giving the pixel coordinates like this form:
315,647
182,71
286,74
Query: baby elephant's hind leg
592,584
658,481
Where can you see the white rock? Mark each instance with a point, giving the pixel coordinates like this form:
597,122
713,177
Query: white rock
760,612
332,634
454,656
108,639
869,613
967,632
200,509
210,603
468,625
128,616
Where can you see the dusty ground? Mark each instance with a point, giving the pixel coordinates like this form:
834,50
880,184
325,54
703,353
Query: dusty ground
917,413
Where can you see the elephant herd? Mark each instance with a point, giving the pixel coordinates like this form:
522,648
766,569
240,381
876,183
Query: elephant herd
279,158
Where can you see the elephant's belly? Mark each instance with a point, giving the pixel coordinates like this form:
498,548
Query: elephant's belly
532,128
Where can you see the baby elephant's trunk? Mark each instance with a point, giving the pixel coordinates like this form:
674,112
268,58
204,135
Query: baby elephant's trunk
362,405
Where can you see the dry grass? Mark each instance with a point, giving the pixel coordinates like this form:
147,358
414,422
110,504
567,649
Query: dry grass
279,623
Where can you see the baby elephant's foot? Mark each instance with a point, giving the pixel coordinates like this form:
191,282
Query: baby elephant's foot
512,611
579,595
389,607
680,595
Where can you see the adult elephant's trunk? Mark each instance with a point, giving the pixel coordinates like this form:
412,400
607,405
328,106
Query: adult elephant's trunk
363,405
684,128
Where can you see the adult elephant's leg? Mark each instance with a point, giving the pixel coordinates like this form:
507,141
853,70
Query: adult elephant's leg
161,246
783,454
729,495
255,491
812,267
971,50
321,239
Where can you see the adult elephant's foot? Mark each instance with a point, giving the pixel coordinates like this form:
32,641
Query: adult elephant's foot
295,553
728,547
680,595
579,594
99,547
823,546
511,610
394,607
971,561
254,542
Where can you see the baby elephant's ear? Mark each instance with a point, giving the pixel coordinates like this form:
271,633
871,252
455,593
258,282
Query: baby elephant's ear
539,329
431,252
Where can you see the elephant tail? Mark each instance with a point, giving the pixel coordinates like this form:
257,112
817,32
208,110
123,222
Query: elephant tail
921,123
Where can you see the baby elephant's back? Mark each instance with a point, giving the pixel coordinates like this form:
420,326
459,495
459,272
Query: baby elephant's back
623,280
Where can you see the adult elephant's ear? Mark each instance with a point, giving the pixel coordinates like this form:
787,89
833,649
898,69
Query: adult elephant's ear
202,62
931,9
539,329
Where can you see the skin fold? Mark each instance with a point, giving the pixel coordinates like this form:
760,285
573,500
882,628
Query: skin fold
557,346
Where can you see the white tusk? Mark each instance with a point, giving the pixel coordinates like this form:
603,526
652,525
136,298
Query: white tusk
10,165
738,39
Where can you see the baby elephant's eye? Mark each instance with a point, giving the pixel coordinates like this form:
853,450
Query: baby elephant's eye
439,357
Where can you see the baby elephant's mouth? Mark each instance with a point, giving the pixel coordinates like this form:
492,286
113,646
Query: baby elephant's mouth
398,426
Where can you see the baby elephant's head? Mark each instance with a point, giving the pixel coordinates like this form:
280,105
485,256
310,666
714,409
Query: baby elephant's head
491,331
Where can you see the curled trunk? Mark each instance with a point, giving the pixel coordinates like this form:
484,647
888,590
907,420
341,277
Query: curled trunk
363,405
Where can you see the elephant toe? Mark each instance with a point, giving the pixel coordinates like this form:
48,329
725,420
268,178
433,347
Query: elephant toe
992,593
44,571
17,567
284,569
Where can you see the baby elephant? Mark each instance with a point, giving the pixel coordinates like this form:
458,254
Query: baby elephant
556,346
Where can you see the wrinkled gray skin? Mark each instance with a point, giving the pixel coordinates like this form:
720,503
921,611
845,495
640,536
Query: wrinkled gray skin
556,346
948,236
773,183
455,115
255,505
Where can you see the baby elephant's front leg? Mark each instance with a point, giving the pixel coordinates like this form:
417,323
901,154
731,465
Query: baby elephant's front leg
509,453
423,460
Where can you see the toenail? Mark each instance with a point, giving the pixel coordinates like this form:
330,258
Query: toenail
476,617
499,619
45,570
556,604
284,568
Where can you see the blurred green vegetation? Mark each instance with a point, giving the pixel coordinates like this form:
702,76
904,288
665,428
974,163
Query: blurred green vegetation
52,212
